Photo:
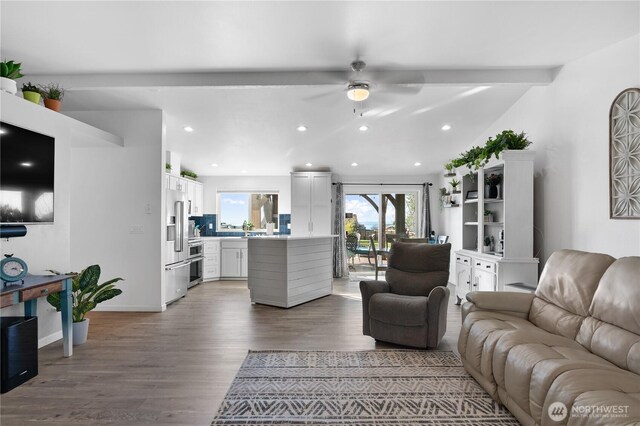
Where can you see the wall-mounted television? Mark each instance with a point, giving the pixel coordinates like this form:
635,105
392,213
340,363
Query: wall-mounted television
27,162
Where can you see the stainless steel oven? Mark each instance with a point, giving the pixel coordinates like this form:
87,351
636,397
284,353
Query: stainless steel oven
196,256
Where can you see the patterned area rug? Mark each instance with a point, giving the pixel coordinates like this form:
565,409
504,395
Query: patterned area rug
382,387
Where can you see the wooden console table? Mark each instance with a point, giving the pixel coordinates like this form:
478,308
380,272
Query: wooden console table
36,286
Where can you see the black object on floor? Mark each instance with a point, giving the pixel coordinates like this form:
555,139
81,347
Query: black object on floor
19,351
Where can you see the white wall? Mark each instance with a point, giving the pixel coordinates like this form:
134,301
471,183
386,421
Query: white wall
214,184
117,203
568,122
47,246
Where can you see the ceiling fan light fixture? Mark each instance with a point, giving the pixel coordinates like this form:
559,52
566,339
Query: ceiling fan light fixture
358,92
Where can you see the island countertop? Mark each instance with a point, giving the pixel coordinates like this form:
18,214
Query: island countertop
288,237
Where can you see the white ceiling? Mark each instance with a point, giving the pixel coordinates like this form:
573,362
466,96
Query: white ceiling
253,127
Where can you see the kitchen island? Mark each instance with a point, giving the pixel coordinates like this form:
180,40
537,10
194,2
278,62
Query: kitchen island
287,270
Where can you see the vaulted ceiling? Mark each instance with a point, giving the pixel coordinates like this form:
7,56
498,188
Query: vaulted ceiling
245,75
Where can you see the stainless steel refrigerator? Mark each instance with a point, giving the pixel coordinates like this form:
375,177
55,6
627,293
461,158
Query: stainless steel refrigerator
176,269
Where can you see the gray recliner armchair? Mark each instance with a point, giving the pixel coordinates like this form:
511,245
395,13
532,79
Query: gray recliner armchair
410,308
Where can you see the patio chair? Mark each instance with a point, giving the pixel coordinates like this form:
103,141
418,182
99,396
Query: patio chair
378,263
352,245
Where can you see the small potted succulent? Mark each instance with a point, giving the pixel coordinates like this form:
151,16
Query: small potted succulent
487,245
167,167
9,72
488,215
52,94
31,93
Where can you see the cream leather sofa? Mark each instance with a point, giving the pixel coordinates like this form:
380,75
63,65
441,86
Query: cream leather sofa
575,342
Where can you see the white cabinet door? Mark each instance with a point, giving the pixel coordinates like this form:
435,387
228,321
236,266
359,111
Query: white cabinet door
300,203
230,265
198,202
485,281
191,196
174,183
244,267
463,280
211,267
321,204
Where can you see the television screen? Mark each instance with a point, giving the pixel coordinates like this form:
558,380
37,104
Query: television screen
26,175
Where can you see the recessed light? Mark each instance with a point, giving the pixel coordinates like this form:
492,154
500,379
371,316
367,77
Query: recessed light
26,164
214,165
188,129
302,128
446,127
417,164
308,164
363,128
243,171
354,164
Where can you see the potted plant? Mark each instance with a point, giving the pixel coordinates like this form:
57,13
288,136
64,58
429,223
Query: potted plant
167,167
86,295
31,93
478,156
488,215
487,245
52,94
493,180
9,72
450,169
188,174
454,186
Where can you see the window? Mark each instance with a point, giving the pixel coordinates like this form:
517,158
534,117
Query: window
236,208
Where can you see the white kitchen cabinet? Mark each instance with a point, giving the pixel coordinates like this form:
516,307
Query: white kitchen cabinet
234,259
193,189
211,263
199,199
311,203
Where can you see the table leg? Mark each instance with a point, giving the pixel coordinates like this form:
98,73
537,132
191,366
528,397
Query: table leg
67,320
31,308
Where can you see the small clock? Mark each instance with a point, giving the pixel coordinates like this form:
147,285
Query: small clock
12,268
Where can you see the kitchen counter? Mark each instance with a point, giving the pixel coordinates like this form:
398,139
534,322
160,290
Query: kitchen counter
287,270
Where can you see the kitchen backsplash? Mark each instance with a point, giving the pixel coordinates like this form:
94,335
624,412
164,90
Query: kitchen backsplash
208,223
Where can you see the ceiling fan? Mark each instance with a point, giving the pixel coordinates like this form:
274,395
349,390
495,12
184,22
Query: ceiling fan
359,83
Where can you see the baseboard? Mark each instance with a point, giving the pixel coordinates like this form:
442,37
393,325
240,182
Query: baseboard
53,337
130,308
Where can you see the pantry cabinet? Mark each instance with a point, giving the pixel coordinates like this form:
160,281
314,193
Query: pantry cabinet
311,203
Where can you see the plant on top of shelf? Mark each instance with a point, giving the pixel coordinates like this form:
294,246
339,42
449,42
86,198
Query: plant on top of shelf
31,92
9,72
454,184
189,174
478,156
167,166
450,169
52,94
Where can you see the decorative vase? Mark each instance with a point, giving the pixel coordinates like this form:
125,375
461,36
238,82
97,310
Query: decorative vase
486,249
493,191
8,85
32,96
80,331
488,218
53,104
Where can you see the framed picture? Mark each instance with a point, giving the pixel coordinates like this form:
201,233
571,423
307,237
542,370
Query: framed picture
472,195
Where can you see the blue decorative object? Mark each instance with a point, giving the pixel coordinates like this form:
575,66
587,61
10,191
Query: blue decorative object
13,268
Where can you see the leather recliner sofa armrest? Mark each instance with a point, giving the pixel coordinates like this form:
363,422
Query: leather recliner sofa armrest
368,289
509,302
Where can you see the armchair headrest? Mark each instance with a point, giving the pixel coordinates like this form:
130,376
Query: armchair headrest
419,258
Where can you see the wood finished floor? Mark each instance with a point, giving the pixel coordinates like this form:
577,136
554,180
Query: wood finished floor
175,367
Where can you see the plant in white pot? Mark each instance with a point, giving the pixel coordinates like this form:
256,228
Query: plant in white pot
9,72
86,295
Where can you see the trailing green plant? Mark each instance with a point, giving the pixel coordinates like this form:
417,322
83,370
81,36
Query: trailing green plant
52,91
449,167
86,292
454,183
478,156
188,173
167,166
493,179
28,87
10,69
443,192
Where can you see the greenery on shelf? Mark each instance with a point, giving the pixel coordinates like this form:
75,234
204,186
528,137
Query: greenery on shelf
247,226
454,184
449,167
52,91
493,179
478,156
86,292
188,173
487,212
167,166
28,87
487,241
10,69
